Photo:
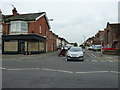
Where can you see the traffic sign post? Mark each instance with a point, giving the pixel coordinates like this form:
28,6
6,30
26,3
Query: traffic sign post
101,39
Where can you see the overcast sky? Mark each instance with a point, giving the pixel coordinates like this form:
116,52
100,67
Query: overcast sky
72,19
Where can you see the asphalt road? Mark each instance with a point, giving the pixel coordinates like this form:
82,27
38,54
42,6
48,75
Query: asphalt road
50,71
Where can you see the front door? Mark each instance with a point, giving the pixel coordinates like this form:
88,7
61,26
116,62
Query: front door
21,47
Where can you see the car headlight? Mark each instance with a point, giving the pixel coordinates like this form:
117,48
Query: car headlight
68,54
80,55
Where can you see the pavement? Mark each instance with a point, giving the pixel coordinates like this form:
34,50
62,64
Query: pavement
97,55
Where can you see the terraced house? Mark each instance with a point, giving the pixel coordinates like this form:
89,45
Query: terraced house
0,29
25,33
112,35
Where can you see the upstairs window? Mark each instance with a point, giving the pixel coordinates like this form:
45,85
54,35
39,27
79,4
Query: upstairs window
19,26
40,29
0,30
46,33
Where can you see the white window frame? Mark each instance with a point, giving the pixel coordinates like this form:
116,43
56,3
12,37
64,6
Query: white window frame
46,33
0,27
0,30
40,29
16,27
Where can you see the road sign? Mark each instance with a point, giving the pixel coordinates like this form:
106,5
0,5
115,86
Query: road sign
101,38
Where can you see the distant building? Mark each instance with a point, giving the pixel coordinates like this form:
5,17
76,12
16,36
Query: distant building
89,41
96,39
1,25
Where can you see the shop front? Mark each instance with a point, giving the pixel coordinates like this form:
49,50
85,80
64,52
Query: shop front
23,44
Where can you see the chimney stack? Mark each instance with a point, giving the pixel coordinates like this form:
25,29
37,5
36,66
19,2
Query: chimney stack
0,12
14,11
0,15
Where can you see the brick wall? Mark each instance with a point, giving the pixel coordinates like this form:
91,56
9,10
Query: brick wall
42,22
112,36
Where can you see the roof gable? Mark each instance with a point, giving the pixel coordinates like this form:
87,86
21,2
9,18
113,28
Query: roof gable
114,25
24,17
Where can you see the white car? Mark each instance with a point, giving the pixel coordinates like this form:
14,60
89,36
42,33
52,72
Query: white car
97,48
75,53
91,48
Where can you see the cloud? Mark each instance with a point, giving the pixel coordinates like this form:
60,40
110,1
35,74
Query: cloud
73,20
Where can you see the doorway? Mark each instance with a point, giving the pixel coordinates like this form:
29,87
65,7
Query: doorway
21,47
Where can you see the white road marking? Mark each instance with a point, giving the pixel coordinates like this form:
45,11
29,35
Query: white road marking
114,72
93,55
88,54
92,72
23,69
110,61
94,60
108,57
56,70
63,71
2,68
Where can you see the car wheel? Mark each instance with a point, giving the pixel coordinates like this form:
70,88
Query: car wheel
67,60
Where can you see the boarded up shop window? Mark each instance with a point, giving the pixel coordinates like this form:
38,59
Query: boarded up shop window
41,46
25,45
32,46
11,46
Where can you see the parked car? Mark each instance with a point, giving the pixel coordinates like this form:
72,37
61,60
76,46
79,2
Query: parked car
97,48
75,53
108,48
91,47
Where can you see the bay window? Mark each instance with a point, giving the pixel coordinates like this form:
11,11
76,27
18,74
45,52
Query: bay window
19,27
0,29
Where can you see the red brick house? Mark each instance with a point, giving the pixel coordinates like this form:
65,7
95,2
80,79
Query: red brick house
23,33
96,39
1,25
112,35
89,41
50,41
54,41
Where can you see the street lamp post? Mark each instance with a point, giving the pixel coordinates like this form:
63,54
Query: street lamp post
84,40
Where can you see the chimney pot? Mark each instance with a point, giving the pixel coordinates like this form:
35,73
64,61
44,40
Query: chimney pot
14,12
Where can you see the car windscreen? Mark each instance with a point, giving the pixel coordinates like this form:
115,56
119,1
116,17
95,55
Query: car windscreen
75,49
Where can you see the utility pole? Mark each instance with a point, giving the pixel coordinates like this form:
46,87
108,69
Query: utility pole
84,40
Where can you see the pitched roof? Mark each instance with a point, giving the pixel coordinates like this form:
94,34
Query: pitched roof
25,17
115,26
